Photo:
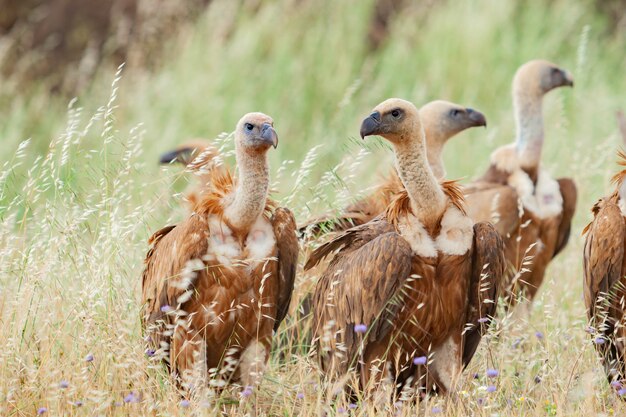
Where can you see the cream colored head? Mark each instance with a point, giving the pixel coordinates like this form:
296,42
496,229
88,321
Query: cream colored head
442,120
394,119
538,77
255,133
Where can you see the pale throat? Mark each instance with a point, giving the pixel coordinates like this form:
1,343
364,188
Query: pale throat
434,153
427,197
529,137
250,195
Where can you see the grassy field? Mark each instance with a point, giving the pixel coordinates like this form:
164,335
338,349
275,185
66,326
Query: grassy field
80,192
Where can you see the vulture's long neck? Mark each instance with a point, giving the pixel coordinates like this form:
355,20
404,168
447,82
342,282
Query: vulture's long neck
529,122
435,143
427,198
250,195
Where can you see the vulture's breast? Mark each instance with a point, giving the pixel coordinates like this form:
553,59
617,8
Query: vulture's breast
543,199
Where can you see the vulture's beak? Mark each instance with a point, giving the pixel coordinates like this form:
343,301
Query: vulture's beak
568,79
370,125
476,117
174,156
268,135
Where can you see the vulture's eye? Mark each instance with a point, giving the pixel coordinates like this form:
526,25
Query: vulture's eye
455,112
395,113
249,127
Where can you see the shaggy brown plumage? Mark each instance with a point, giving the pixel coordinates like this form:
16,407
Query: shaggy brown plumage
218,284
416,276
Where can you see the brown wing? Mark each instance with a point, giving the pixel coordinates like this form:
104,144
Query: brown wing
284,225
163,284
349,240
603,270
569,194
361,286
494,203
488,267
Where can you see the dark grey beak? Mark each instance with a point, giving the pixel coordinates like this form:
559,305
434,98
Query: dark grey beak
370,125
268,134
179,155
569,79
476,117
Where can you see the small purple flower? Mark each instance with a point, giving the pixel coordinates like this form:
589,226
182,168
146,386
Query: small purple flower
436,410
598,341
247,391
89,358
590,330
476,376
539,335
492,373
42,410
64,384
360,328
622,391
420,360
150,352
300,395
483,320
341,410
131,398
537,379
616,384
166,308
185,403
78,403
352,406
491,388
480,402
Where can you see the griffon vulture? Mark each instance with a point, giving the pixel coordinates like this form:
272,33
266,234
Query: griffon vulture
441,121
218,284
531,210
417,276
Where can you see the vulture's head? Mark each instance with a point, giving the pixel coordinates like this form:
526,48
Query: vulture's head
255,133
394,119
538,77
186,152
442,120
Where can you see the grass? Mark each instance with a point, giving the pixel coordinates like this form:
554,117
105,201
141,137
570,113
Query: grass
80,191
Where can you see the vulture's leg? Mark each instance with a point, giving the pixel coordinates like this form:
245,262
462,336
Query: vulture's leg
447,362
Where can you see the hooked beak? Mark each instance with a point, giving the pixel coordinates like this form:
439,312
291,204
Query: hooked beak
568,78
476,117
268,135
177,155
370,125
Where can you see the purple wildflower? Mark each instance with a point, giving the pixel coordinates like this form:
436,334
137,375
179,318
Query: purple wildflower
590,330
480,402
622,391
492,373
352,406
420,360
166,308
598,341
78,403
483,320
436,410
185,403
150,352
539,335
42,410
491,388
64,384
476,376
247,391
131,398
341,410
616,384
537,379
360,328
89,358
300,395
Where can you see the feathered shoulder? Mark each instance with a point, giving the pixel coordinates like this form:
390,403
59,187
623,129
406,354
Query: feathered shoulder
221,184
400,204
617,179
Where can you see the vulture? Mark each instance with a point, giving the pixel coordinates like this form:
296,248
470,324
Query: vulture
217,285
604,269
441,121
420,280
532,211
200,157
